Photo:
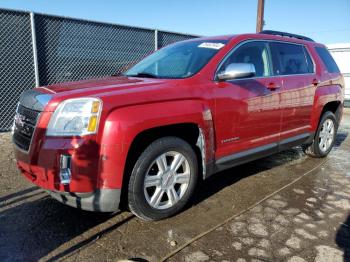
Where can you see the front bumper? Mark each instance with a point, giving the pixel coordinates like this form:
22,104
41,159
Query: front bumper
101,200
92,184
41,165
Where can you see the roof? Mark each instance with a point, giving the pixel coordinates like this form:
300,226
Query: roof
269,35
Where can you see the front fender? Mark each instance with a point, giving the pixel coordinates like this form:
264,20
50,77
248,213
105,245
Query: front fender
122,125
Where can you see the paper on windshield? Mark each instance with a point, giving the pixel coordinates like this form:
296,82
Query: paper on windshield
211,45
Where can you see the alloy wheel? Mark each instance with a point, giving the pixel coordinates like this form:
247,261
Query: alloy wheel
326,135
167,180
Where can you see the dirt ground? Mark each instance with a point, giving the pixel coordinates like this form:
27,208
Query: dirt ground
286,207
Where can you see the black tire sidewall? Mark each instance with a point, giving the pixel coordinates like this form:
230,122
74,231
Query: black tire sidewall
137,201
316,149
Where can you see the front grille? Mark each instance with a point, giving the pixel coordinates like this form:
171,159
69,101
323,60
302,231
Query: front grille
24,126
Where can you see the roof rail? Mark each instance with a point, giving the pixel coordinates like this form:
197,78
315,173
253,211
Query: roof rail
271,32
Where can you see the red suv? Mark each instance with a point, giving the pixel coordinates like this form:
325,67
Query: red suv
182,114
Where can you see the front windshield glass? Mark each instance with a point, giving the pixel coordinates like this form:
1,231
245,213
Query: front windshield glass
179,60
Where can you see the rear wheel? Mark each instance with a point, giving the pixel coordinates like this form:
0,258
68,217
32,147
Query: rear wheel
324,137
163,179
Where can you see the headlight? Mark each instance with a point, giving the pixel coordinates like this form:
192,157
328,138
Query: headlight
75,117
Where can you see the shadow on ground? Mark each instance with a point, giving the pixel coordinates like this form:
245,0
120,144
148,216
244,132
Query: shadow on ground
341,136
342,238
225,179
34,228
228,177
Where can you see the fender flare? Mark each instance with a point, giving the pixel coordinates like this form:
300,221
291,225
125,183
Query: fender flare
324,95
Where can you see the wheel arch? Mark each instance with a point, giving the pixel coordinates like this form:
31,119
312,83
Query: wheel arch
327,98
131,129
334,107
192,133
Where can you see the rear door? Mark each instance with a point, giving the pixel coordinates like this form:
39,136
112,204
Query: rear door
294,65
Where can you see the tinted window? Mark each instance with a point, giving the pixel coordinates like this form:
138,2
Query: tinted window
289,59
256,53
327,60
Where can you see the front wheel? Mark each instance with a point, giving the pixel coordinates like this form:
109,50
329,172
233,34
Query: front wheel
324,137
163,179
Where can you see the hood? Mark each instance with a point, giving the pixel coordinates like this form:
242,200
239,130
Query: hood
88,87
117,91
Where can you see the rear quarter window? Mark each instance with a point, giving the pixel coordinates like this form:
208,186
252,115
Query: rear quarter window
290,59
327,60
310,63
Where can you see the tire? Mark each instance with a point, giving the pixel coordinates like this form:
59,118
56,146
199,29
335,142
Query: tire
167,192
317,149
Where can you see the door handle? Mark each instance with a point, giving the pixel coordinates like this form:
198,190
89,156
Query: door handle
273,86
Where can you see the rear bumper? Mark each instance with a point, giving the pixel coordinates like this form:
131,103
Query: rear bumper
101,200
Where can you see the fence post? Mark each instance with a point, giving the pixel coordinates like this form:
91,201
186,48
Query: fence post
155,39
35,52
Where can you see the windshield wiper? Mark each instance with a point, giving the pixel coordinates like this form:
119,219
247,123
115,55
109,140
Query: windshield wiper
142,74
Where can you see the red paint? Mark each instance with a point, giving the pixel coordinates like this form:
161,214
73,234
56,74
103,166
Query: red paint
257,111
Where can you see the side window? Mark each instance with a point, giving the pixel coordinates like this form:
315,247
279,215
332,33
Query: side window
256,53
310,63
289,59
327,59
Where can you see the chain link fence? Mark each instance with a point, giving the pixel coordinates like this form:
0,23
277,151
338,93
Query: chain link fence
39,49
16,62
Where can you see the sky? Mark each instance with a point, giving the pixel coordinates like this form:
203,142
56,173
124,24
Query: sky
325,21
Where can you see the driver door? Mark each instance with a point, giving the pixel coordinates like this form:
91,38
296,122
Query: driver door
248,110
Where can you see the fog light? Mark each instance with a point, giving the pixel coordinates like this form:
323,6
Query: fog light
65,166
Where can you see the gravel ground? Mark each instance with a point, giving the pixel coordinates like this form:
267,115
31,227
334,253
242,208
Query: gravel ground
286,207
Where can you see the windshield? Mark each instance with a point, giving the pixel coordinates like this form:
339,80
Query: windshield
179,60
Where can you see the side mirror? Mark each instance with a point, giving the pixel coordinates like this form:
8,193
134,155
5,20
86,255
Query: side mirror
237,70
